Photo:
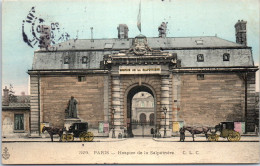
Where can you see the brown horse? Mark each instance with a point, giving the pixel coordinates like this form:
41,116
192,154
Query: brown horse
52,131
197,130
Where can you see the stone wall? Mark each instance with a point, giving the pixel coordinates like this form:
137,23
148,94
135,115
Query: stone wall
251,114
57,90
217,98
8,123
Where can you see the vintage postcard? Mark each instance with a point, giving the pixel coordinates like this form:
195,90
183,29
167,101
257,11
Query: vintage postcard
130,82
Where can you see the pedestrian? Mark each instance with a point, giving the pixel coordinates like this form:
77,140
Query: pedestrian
182,134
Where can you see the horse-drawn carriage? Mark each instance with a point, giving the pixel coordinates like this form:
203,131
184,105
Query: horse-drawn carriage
78,130
224,130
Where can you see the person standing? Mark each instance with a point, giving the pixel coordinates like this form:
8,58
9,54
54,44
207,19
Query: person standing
182,134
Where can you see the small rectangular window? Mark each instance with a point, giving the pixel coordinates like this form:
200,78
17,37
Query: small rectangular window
84,60
109,45
81,78
226,57
200,58
66,60
200,76
199,42
18,122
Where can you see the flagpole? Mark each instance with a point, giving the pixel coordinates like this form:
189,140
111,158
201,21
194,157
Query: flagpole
139,18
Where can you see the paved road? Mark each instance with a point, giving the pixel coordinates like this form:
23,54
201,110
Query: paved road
137,150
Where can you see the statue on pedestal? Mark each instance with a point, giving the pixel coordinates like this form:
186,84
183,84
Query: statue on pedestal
72,108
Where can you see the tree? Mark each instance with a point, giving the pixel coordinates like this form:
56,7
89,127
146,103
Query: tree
12,96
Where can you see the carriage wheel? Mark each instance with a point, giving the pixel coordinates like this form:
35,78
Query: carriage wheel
234,136
237,136
70,137
82,136
213,137
89,137
67,137
209,137
63,138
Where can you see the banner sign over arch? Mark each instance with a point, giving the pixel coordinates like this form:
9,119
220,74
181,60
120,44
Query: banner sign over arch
151,69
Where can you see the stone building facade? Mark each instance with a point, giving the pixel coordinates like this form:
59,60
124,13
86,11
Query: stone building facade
197,80
143,107
15,116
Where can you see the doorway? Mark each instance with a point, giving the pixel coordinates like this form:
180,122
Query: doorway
141,114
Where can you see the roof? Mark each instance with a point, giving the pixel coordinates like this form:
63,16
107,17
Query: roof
23,103
17,106
186,48
153,42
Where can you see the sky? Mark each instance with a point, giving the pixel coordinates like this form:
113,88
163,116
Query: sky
75,18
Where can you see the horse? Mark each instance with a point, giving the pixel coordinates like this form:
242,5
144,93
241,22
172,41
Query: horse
197,130
52,131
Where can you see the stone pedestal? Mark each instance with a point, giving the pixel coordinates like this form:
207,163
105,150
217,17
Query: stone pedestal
69,121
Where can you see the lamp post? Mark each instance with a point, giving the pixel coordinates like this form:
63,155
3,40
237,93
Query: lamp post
165,111
113,123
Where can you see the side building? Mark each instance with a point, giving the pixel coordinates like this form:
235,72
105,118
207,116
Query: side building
15,116
194,80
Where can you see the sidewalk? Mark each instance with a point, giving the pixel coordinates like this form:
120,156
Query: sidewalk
107,139
56,139
203,139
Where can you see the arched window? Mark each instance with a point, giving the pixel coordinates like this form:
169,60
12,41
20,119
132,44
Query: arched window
226,57
200,58
66,60
142,118
84,60
142,103
151,118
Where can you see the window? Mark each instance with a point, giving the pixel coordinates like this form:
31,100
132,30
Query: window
66,60
200,58
200,77
199,42
84,60
81,78
109,45
226,57
18,122
142,104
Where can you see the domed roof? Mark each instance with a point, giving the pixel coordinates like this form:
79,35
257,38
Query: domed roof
140,36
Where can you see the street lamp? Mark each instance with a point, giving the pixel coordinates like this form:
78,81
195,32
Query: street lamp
113,123
165,111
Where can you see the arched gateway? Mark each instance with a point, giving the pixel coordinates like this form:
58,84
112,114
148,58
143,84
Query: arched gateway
140,69
129,94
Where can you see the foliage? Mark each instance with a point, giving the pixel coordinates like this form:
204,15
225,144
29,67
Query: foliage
12,96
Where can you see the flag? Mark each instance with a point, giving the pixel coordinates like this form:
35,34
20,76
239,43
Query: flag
139,17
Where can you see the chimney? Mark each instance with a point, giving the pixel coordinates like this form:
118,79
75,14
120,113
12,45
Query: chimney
6,97
122,31
162,30
45,36
240,27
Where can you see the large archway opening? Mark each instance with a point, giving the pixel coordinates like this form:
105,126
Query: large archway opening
141,111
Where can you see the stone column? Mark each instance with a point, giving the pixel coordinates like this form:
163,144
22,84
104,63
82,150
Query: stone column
176,98
165,102
116,104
